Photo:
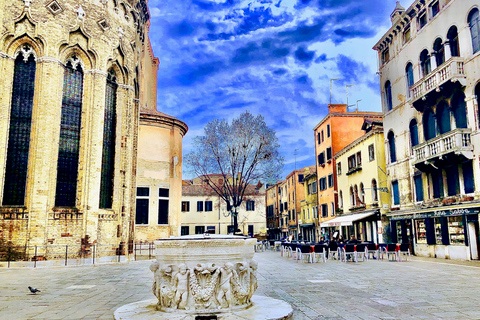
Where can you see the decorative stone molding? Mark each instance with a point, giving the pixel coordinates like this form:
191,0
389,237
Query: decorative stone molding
103,24
27,51
49,59
6,56
204,273
81,13
96,71
125,86
54,7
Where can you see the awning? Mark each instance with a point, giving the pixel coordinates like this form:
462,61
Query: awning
348,219
307,225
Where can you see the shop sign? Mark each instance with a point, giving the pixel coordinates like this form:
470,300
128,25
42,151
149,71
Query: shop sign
436,214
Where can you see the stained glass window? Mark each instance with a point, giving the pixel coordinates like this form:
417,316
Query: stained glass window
19,132
69,143
108,155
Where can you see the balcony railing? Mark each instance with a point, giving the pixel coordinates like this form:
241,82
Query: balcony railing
450,70
457,141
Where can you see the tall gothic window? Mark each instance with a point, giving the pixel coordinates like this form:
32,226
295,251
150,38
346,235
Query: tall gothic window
425,62
108,154
452,37
474,24
20,126
69,143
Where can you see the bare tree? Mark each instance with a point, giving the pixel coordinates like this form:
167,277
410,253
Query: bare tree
244,152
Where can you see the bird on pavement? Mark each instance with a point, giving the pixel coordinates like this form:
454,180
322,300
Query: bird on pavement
33,290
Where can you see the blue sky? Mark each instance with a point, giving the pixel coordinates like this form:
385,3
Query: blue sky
219,58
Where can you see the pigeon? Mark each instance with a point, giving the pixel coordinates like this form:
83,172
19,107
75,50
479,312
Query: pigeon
33,290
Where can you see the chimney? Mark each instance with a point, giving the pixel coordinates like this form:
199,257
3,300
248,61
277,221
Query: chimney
337,108
397,13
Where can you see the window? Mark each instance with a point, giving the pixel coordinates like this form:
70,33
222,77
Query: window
362,193
422,19
328,131
413,132
141,210
314,187
456,230
16,167
199,206
211,229
281,206
473,22
163,195
467,169
359,159
185,230
385,56
323,183
434,8
395,193
199,229
352,197
332,205
459,110
250,230
208,206
300,178
418,187
391,146
409,76
352,163
285,205
69,142
340,199
453,186
321,159
388,96
108,152
443,118
374,191
452,37
250,205
324,210
339,168
330,180
371,152
437,182
321,133
439,52
406,34
185,206
425,63
429,129
329,153
318,138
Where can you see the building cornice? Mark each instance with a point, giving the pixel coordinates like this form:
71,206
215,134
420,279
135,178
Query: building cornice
371,114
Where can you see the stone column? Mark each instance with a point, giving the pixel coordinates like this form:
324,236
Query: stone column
448,51
433,61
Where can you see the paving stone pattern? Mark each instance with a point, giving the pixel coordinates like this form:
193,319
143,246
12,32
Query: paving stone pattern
423,288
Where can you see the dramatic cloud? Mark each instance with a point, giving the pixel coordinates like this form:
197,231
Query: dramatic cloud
219,58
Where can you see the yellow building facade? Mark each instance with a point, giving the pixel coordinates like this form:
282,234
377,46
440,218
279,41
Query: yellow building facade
308,221
362,186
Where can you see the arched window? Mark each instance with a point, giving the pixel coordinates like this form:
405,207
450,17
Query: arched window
16,166
413,132
409,74
443,118
108,154
429,130
355,192
362,193
69,143
459,110
388,96
340,199
474,29
452,37
391,146
352,197
425,62
374,191
439,51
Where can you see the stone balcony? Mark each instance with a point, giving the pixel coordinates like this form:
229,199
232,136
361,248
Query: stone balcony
450,145
450,71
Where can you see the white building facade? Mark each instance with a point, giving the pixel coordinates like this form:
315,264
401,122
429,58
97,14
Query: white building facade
429,77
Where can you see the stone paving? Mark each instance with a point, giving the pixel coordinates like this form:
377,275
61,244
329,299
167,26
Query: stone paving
422,288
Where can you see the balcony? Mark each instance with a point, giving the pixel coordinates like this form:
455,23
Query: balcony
452,70
446,147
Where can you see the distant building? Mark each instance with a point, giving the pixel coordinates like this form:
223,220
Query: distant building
272,202
430,84
332,134
362,186
308,220
283,208
203,211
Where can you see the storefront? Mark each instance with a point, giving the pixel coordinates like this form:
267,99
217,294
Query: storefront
307,230
450,234
363,225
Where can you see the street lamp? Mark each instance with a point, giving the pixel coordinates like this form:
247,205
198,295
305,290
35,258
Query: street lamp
331,80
